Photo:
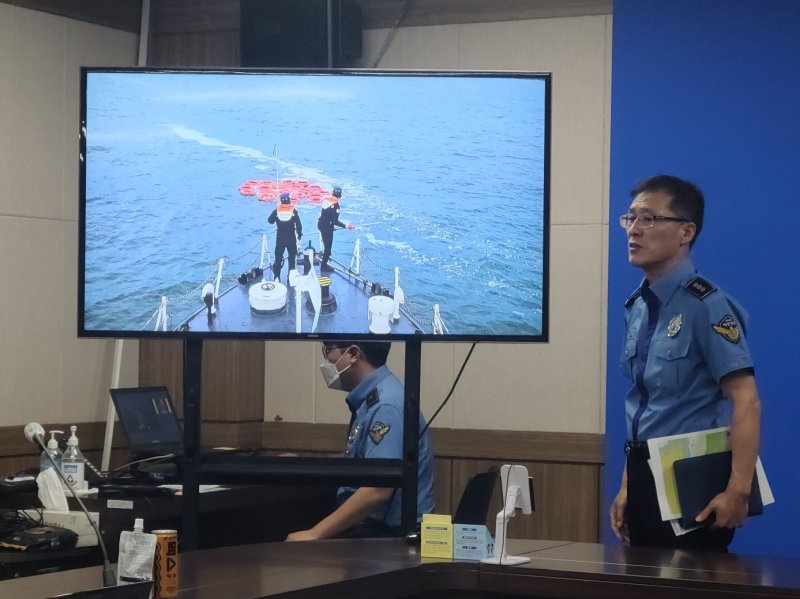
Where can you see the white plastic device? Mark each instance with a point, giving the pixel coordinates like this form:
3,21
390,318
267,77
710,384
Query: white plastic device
516,495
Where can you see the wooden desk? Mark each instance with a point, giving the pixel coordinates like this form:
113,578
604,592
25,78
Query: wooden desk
234,516
388,568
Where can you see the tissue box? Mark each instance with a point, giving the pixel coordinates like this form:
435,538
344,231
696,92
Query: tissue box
472,541
437,536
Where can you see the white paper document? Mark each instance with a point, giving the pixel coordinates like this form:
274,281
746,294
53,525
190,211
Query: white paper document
665,451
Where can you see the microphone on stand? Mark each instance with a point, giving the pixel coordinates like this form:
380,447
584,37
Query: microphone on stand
34,432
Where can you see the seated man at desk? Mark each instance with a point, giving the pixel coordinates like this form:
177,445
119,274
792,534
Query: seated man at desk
375,399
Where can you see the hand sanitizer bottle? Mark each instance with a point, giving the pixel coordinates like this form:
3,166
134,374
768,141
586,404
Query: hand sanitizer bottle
73,462
53,450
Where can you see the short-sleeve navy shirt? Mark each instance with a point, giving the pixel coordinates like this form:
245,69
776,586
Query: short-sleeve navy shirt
377,432
698,338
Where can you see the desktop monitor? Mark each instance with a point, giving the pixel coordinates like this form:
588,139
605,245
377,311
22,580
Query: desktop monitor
443,224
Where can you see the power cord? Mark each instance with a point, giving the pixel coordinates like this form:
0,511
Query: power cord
453,388
166,456
505,520
12,521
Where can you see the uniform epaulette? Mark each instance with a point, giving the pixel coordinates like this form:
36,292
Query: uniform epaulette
632,298
372,398
699,287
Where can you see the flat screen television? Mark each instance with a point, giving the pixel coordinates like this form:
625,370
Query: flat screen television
443,216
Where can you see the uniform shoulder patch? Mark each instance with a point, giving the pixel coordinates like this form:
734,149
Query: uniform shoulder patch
378,432
372,398
699,287
728,327
632,298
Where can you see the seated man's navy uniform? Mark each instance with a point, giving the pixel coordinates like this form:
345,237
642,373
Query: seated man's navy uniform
376,431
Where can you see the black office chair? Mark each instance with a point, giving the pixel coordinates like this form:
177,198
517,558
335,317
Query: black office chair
473,508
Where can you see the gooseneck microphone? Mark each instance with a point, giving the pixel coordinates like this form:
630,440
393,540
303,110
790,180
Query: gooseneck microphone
34,432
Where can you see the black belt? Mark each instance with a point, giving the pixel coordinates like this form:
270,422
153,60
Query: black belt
637,450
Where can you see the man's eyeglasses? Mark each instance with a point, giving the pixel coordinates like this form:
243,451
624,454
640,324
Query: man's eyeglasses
326,349
646,220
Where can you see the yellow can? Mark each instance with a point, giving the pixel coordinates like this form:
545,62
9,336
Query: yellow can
165,567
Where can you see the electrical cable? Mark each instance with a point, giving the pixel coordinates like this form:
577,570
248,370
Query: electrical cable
505,519
390,36
453,388
166,456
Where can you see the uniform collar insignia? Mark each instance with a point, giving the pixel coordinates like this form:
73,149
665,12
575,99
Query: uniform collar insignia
372,398
699,287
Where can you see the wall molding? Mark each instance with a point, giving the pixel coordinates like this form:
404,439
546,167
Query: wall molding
576,448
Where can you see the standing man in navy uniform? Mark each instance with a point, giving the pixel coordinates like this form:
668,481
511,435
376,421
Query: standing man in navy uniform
376,402
328,220
686,354
289,230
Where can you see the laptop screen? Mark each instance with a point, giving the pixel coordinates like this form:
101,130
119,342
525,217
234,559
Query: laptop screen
136,590
148,418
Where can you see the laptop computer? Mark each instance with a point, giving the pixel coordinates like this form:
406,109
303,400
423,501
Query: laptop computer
147,416
134,590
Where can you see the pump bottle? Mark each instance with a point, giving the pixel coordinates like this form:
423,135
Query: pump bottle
53,450
73,462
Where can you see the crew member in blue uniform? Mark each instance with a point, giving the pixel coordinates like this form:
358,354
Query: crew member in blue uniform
289,230
376,401
687,356
328,220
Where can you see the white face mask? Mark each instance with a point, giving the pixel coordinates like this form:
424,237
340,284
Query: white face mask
332,375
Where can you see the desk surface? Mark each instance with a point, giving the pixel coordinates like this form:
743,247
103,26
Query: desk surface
389,568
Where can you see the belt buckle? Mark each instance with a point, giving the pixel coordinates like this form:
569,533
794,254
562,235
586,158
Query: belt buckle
635,448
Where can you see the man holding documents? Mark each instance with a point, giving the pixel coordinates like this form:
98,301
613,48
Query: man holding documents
687,357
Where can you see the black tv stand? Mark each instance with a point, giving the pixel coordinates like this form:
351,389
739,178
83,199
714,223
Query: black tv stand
260,469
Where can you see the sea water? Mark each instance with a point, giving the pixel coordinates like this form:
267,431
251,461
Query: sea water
445,182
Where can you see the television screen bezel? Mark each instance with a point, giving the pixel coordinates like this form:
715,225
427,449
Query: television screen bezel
542,337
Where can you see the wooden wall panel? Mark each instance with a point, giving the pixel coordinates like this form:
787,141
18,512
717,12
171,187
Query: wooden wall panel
184,16
521,445
567,493
233,381
385,13
232,387
120,14
442,486
565,467
566,496
161,363
195,49
195,33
